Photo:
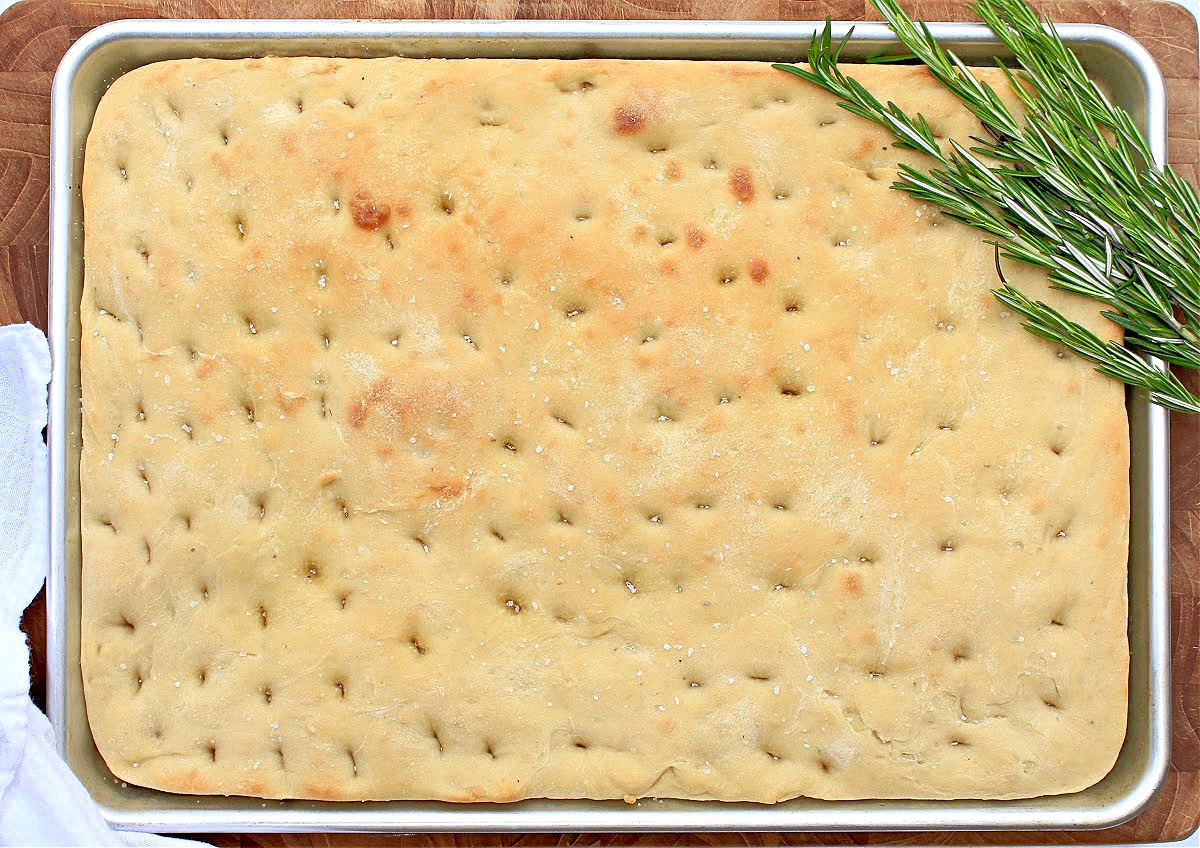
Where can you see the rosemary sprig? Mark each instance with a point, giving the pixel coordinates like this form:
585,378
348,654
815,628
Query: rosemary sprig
1110,357
1070,187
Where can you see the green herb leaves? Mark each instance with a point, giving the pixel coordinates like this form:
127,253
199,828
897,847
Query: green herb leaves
1069,187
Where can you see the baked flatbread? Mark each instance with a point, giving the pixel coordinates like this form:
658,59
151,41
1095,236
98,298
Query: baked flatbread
486,429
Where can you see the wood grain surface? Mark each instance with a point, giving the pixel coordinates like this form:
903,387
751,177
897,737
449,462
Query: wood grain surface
34,34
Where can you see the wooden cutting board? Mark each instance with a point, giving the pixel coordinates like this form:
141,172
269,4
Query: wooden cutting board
34,34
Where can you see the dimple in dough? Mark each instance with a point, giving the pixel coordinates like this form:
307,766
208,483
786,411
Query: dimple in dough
486,429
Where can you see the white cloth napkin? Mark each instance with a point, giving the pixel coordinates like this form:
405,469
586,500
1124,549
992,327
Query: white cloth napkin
41,802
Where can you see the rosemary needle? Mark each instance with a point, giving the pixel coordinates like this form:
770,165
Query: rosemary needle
1069,187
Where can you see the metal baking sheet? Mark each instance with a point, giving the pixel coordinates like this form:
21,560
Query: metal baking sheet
105,53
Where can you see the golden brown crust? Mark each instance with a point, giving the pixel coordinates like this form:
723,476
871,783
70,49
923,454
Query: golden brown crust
483,430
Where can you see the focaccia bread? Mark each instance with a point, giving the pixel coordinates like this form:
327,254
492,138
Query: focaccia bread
489,429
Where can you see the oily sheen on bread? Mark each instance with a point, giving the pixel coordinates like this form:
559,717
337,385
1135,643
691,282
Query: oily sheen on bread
496,429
